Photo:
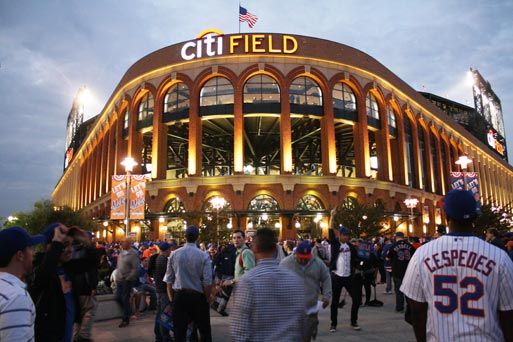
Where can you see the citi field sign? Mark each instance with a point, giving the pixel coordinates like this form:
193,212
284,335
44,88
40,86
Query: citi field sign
211,43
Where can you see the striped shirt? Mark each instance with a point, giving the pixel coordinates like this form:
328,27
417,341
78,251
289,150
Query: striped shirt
17,312
465,281
268,305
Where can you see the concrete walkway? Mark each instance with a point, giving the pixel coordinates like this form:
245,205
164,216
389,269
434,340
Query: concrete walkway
378,324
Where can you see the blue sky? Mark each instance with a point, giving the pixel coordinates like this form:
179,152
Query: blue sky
48,49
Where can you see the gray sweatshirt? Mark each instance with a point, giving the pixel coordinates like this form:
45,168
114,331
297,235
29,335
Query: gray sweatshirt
128,265
314,273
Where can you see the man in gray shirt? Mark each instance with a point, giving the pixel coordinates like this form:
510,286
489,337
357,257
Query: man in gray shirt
314,273
189,285
128,272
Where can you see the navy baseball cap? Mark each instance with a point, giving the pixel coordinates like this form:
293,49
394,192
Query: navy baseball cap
460,205
164,246
192,231
16,239
399,234
344,231
48,232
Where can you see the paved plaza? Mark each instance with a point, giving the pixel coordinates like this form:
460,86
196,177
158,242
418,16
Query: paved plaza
378,324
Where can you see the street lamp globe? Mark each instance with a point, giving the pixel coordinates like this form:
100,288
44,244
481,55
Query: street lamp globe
129,163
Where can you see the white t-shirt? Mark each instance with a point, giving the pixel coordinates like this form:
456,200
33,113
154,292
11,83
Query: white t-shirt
465,281
344,261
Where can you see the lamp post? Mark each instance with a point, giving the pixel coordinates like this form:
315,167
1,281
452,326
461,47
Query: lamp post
218,203
410,204
129,163
463,161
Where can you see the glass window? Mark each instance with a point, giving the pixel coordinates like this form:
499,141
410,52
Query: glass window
372,106
177,98
125,119
309,203
410,157
261,89
391,118
217,91
305,91
146,107
435,164
174,206
423,157
343,97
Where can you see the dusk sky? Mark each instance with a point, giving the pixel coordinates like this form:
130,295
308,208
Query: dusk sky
48,49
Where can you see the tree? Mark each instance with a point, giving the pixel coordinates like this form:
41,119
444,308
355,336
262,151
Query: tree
361,219
45,212
491,217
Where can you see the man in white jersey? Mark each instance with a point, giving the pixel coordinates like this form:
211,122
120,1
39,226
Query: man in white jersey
459,287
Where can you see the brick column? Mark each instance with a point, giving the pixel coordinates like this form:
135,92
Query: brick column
328,144
401,150
159,142
285,133
383,147
361,140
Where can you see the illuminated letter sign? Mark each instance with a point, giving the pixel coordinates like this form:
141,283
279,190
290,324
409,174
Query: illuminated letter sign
210,43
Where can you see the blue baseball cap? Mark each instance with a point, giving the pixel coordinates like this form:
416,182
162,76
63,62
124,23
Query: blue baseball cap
304,250
343,231
460,205
192,231
164,246
16,239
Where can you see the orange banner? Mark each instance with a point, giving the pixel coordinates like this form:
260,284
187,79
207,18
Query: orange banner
118,198
137,196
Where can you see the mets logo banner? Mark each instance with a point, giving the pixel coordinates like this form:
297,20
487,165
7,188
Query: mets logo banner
457,182
118,197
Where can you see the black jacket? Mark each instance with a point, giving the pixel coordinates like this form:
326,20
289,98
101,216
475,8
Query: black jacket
225,261
86,282
46,292
335,251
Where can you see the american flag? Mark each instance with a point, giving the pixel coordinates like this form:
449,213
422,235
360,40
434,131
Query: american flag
244,15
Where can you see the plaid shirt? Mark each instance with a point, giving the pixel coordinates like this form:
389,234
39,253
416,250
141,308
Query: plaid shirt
268,305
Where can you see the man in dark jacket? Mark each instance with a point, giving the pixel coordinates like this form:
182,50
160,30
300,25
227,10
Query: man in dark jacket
85,283
400,254
342,267
57,307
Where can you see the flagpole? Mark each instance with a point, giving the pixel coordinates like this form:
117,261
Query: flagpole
238,15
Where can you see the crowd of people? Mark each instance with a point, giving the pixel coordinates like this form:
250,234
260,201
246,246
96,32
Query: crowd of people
268,289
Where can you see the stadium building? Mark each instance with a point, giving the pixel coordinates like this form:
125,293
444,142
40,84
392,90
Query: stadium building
257,129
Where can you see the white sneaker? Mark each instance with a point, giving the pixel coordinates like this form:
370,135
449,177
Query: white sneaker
355,327
333,329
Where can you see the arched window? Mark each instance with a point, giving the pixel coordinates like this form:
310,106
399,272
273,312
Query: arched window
309,203
174,206
305,96
216,204
145,115
423,158
176,102
217,91
344,102
410,156
372,110
392,121
435,165
263,213
261,89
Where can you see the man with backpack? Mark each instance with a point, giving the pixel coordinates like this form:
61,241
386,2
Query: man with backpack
245,259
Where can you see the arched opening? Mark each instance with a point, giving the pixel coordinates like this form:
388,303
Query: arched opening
394,143
216,221
305,113
216,109
345,113
175,224
261,126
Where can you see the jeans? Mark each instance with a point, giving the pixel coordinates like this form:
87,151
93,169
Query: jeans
389,282
161,333
150,289
190,306
399,296
353,286
88,306
123,290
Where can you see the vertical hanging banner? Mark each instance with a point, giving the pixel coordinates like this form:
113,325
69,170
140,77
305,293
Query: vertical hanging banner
118,197
137,196
473,186
456,181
